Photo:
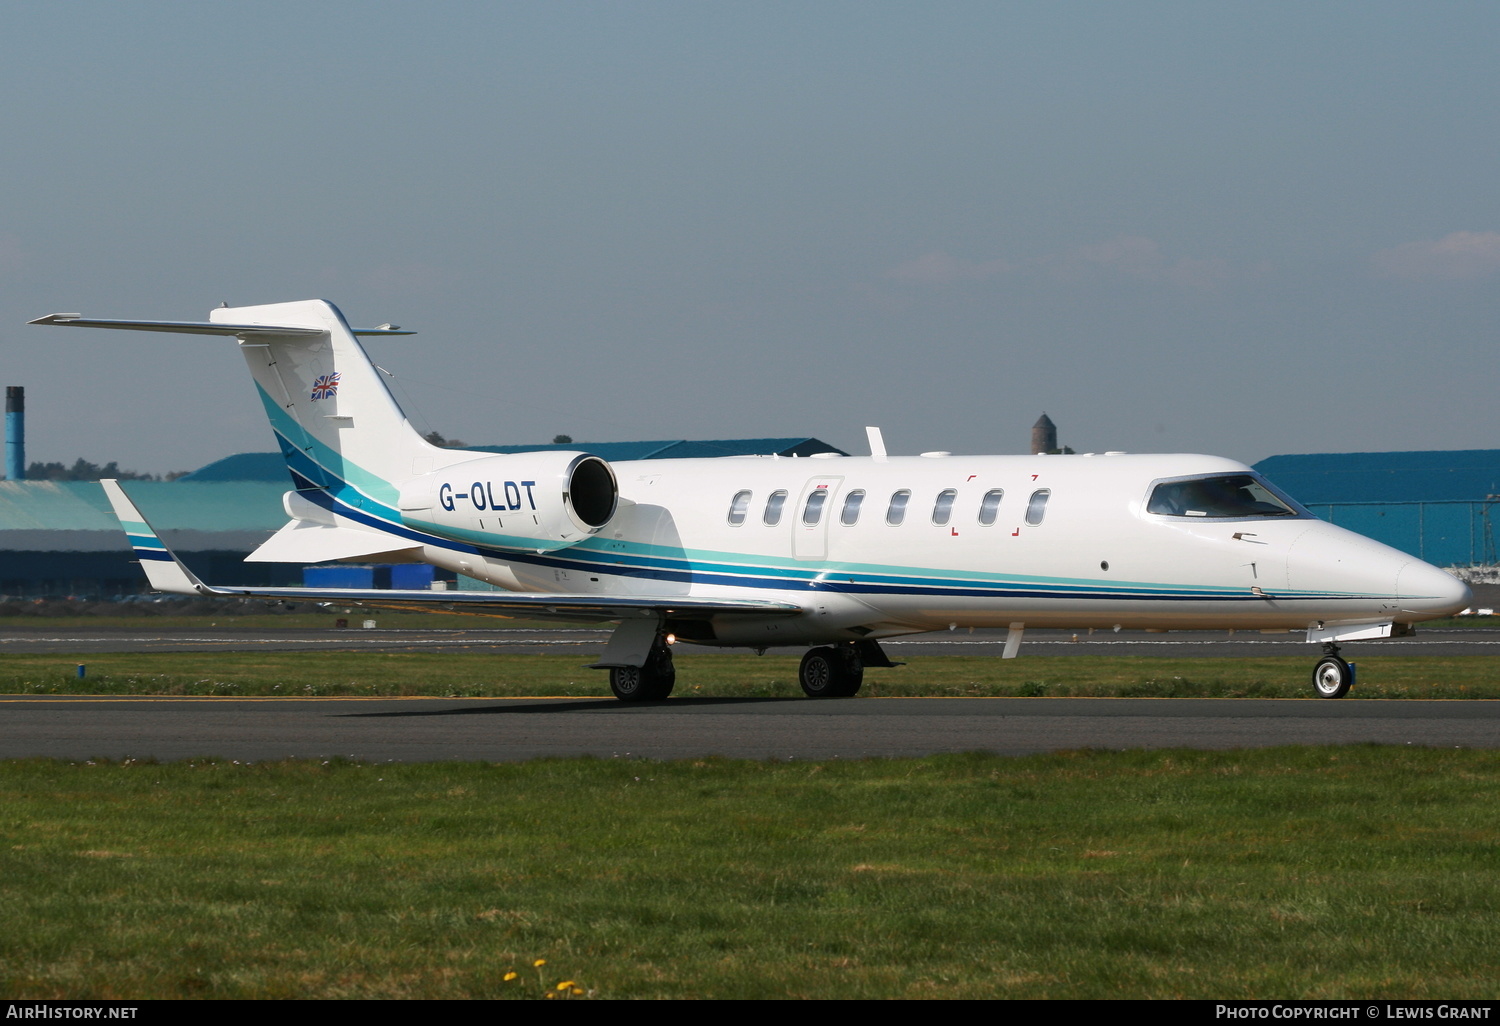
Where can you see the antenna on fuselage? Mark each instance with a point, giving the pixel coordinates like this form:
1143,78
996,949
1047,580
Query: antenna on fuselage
877,442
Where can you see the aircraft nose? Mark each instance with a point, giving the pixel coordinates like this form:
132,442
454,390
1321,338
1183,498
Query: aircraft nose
1425,589
1330,559
1387,582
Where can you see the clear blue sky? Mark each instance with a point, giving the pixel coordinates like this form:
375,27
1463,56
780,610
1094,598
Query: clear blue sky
1244,229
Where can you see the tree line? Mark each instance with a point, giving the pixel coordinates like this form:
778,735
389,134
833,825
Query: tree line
83,470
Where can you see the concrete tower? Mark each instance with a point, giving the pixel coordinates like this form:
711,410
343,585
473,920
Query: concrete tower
1043,435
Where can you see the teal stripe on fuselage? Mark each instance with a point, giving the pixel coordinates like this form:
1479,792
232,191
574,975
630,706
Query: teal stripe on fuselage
287,428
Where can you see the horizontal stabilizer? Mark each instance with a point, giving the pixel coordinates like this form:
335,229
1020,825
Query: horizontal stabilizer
302,542
204,327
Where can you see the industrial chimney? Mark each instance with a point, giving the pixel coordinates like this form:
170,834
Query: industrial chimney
15,432
1043,435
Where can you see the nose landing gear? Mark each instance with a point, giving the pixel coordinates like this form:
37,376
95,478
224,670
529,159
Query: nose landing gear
1332,677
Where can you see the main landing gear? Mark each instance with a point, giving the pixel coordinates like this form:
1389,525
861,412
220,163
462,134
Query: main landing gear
835,671
649,683
1332,677
832,671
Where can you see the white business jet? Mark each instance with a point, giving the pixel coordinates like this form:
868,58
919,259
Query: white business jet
835,553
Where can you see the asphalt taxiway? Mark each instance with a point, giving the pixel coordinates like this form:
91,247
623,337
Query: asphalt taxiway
423,729
419,729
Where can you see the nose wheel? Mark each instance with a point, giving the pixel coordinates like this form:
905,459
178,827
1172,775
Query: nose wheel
1332,677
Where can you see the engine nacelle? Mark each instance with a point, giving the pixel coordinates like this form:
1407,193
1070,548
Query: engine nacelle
533,500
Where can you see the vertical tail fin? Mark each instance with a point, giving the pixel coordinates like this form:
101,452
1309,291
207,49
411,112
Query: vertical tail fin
338,426
335,420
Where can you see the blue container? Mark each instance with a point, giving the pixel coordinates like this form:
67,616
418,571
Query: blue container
338,577
413,576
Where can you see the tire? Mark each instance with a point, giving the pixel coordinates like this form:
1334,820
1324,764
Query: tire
831,673
649,683
1332,677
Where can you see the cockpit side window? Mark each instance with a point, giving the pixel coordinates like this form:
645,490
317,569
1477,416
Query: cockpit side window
1224,496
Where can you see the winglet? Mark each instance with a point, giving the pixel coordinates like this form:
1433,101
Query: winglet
163,569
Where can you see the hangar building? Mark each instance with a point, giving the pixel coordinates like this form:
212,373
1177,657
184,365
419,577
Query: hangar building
1434,504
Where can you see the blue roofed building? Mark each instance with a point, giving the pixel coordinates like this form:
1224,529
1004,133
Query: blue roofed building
59,538
1434,504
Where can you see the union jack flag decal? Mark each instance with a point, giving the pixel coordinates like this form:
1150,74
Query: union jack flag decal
326,387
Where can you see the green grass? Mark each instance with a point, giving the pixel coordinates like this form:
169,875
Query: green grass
1349,872
451,673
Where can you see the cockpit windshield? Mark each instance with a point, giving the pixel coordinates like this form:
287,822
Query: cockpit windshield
1226,496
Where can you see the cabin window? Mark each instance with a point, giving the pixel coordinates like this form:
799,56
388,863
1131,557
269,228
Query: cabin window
852,502
897,511
1037,507
1229,496
738,507
943,508
773,507
989,506
813,511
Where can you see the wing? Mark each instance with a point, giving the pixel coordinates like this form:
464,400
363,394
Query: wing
167,573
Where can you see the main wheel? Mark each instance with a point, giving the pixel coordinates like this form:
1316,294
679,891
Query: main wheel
1332,677
649,683
831,673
